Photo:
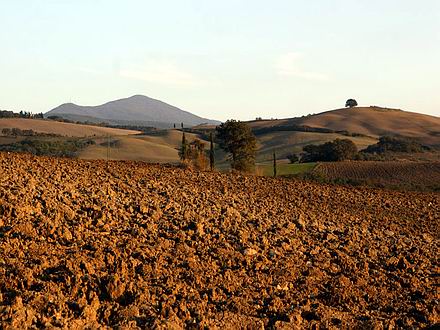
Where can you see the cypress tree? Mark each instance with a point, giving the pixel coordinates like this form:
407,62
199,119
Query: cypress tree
183,152
211,152
274,164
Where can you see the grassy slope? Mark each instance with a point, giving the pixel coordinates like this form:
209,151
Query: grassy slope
160,147
372,121
285,143
377,121
65,129
285,169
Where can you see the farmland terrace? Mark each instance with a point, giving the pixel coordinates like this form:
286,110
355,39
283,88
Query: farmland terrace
405,175
91,244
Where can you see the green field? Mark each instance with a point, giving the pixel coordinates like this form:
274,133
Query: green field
286,169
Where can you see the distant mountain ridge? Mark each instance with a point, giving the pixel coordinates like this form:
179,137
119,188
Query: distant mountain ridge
135,110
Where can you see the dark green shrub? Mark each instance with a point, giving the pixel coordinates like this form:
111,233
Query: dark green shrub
396,144
330,152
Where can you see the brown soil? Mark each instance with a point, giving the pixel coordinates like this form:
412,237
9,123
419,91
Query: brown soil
135,245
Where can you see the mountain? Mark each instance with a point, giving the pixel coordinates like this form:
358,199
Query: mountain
371,121
135,110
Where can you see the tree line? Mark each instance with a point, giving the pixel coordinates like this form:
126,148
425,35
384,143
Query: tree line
21,114
69,147
345,149
24,132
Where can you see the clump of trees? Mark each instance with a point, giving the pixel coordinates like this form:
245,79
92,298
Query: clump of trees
344,149
21,114
193,153
197,154
337,150
237,139
17,132
396,144
23,132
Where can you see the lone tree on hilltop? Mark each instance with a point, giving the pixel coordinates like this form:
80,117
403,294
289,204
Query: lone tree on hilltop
351,103
237,139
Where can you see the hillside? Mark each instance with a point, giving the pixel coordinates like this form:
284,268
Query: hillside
371,121
90,244
161,147
285,142
280,136
59,128
135,110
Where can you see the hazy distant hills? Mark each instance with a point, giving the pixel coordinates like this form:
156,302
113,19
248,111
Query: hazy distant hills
362,125
135,110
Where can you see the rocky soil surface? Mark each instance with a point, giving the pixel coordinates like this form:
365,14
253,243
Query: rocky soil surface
86,244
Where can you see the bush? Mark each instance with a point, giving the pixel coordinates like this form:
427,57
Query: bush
293,158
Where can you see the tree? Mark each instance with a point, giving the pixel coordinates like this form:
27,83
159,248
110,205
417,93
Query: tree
274,164
351,103
211,152
183,152
343,149
237,139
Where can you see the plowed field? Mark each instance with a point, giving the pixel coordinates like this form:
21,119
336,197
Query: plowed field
403,174
86,244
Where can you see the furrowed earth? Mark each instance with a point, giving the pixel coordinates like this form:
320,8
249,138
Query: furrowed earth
125,244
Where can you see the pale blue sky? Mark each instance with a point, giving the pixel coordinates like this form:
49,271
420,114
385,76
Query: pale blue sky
222,59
